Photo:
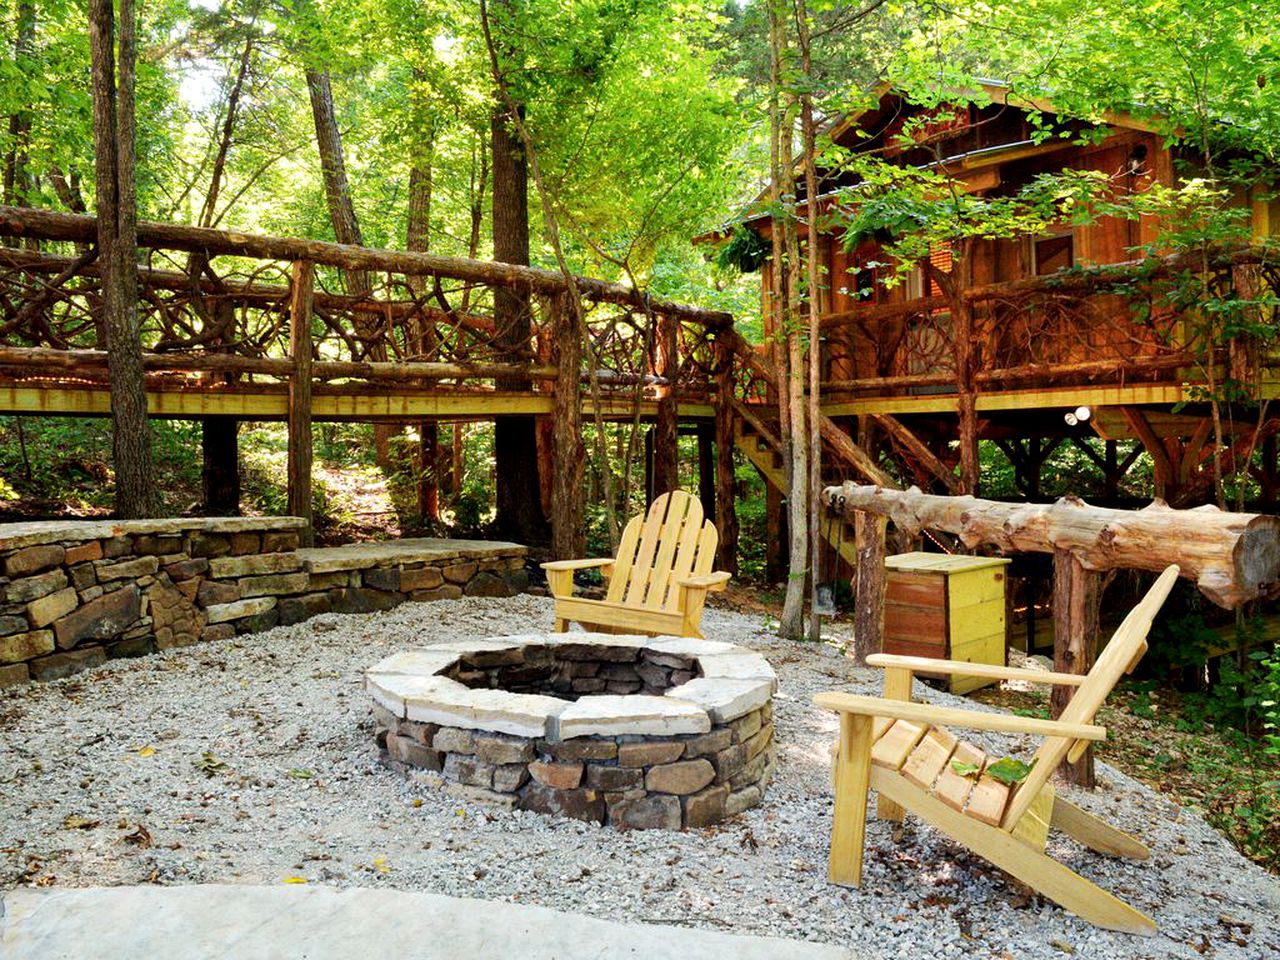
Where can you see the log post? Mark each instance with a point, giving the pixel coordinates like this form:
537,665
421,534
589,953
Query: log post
1076,597
666,450
568,452
300,396
869,585
726,486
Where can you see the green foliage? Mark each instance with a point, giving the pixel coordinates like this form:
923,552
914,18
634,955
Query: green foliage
745,251
1010,771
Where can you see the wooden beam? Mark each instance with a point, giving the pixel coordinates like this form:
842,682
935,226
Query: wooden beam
995,401
300,346
917,449
726,480
871,578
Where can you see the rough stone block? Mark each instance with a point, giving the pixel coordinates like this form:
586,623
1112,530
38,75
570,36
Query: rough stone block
423,578
327,581
10,625
225,612
740,800
362,599
91,593
218,631
510,777
708,743
30,560
487,585
279,541
460,572
244,543
646,715
15,674
274,584
44,611
382,578
454,740
32,588
753,772
149,543
517,581
468,770
561,776
58,665
24,646
103,618
253,565
500,749
117,546
614,778
581,749
258,622
589,685
83,577
83,553
212,593
135,647
646,813
746,727
580,804
729,761
410,751
682,777
647,754
125,569
450,591
186,569
757,744
297,609
705,807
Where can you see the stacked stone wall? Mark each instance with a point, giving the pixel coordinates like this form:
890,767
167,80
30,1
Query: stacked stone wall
73,595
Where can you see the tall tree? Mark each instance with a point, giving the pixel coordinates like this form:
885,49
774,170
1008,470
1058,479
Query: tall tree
114,161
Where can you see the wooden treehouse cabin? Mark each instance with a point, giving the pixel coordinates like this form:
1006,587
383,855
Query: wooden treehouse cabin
1033,328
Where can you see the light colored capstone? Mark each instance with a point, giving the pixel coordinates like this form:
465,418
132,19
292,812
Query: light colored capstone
361,556
689,646
448,702
423,663
391,690
611,716
724,698
738,666
249,565
15,535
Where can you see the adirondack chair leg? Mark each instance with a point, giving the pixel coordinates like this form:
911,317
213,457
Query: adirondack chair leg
1038,871
897,686
849,820
562,626
1094,833
1033,828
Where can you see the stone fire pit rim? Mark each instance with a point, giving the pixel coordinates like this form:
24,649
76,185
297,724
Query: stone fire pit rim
734,682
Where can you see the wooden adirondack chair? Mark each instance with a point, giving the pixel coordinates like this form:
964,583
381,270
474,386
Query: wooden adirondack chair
659,581
904,751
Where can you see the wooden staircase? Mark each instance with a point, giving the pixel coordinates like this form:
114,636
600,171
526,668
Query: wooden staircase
758,440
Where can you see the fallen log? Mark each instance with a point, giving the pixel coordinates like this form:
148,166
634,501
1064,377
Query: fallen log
1232,557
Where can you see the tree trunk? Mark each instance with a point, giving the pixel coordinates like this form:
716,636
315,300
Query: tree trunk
515,441
418,237
17,176
869,585
567,540
114,129
1232,557
1076,596
666,440
300,450
726,481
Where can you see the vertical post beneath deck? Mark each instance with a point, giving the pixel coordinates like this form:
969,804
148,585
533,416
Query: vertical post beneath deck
726,513
1076,596
666,450
300,395
706,433
568,454
220,471
869,585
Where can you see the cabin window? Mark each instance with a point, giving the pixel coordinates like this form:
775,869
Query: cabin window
1054,254
940,257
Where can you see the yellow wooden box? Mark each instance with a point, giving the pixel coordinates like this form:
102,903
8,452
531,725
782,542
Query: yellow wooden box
948,607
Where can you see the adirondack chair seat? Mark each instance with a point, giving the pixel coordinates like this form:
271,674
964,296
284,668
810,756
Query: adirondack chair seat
659,581
904,752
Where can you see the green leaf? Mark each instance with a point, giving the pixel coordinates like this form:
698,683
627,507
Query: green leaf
1009,771
966,769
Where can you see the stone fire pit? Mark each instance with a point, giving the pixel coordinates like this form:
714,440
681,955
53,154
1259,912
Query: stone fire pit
635,732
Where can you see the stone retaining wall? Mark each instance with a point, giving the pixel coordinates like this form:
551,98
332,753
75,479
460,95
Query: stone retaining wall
73,594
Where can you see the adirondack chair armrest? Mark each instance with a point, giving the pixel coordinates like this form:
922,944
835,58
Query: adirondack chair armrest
951,717
714,582
951,667
577,564
560,573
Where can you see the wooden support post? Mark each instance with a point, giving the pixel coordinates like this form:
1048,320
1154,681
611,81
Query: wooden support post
428,472
567,541
868,616
300,453
220,473
1076,596
666,450
726,485
706,433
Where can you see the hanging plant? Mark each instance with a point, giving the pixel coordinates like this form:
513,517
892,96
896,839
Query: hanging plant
745,251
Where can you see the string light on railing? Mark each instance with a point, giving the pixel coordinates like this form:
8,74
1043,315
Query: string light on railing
1078,415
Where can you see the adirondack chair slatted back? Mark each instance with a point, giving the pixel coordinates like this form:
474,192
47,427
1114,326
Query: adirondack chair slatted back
671,541
1120,656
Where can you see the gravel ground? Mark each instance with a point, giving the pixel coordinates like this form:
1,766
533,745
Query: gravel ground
252,761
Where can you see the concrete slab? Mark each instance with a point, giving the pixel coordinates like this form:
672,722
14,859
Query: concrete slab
325,923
